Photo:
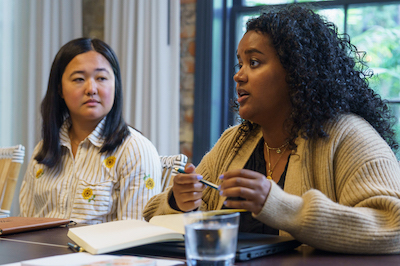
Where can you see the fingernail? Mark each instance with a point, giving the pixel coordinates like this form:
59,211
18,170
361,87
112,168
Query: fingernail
219,187
221,192
221,177
199,177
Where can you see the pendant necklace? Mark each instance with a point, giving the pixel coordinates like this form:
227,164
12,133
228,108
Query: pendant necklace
277,150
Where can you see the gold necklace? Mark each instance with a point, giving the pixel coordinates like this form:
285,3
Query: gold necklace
281,152
277,150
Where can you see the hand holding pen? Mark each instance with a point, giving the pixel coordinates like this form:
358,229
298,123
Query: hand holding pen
205,182
187,190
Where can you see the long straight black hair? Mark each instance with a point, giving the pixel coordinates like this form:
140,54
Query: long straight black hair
54,110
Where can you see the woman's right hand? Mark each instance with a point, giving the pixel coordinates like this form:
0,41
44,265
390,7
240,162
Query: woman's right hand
187,189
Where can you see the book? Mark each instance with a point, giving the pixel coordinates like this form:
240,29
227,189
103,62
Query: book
171,221
12,225
122,234
175,221
117,235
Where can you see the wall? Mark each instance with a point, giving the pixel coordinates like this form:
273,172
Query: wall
93,26
93,18
188,49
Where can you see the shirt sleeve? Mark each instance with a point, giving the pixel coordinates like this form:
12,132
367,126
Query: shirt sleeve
140,177
26,198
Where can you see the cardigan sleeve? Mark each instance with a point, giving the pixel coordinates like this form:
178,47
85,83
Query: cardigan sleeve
350,200
213,164
371,227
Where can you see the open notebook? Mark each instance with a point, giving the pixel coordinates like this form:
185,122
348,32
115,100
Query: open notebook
164,236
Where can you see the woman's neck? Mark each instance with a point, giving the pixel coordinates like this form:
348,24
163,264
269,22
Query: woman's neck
275,135
79,130
78,133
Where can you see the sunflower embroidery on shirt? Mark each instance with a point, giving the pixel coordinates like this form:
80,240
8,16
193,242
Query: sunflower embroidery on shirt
149,182
39,173
88,194
110,161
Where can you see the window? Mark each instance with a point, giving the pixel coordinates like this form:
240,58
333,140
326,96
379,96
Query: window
373,25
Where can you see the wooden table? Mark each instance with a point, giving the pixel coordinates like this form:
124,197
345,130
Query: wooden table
50,242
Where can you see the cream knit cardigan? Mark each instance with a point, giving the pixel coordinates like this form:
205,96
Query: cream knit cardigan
341,193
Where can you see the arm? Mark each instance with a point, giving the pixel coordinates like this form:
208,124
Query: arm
184,195
223,156
26,197
349,199
369,227
210,167
140,177
26,205
346,196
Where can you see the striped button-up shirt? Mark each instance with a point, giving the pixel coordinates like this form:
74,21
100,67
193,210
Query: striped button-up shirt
93,187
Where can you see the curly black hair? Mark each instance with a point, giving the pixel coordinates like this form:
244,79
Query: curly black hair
326,74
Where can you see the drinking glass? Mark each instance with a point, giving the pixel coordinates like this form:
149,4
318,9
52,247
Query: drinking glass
211,238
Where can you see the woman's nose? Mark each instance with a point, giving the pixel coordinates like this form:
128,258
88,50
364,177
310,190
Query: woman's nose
240,76
91,87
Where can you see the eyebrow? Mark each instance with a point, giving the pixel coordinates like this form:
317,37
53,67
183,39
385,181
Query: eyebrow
96,70
250,51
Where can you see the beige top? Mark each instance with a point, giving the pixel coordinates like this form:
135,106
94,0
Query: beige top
341,193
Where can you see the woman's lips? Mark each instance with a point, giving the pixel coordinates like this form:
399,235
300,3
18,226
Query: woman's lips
242,96
91,102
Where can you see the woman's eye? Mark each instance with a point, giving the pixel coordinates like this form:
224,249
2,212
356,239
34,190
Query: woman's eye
102,78
254,63
78,80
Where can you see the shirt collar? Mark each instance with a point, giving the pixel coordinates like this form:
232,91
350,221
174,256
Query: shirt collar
95,137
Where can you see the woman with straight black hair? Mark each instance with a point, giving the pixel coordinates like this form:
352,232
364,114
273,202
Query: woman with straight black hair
90,166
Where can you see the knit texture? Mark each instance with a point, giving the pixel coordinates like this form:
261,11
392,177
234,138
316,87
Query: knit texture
341,194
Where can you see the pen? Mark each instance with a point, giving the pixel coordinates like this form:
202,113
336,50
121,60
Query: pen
205,182
75,248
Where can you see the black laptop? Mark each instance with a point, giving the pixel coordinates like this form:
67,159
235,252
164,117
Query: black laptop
249,246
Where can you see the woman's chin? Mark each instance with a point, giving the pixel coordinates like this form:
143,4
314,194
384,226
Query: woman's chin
243,114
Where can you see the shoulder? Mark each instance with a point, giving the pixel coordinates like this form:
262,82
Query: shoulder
137,137
33,168
244,130
136,144
353,128
351,133
36,150
235,138
230,132
348,122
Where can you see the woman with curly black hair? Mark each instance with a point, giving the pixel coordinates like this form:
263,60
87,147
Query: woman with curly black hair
313,157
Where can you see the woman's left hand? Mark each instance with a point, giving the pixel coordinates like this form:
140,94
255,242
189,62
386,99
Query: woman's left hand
252,186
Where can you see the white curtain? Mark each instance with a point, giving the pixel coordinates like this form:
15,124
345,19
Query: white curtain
32,32
145,35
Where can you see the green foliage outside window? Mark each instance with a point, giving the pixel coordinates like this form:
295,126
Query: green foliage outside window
376,30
